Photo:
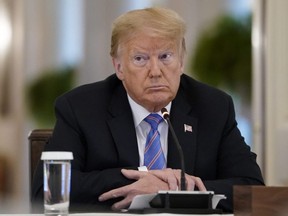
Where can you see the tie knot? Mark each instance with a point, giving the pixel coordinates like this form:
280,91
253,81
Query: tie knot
154,120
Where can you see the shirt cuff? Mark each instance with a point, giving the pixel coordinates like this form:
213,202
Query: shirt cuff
143,168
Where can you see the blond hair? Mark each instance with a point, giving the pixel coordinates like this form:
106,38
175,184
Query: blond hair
160,21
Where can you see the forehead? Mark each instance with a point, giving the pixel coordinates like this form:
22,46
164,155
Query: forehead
146,42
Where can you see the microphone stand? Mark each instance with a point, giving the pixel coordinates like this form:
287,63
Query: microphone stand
179,148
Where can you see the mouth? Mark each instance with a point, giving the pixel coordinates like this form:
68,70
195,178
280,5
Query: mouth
157,87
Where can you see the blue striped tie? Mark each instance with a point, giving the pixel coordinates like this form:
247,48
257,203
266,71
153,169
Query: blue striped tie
153,155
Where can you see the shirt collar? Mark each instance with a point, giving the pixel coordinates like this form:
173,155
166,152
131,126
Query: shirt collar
139,112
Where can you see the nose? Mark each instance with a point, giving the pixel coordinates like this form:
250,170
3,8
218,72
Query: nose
154,67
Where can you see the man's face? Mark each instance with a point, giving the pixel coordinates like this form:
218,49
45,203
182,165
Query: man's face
150,70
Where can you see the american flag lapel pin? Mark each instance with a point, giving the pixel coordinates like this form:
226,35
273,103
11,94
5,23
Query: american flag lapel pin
188,128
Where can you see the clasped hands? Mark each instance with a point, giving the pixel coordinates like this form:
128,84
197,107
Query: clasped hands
149,182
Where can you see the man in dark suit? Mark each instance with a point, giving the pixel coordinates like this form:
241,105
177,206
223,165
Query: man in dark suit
104,124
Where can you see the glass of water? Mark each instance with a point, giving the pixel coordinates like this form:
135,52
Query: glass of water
57,178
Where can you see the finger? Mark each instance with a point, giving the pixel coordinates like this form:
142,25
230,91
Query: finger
177,173
172,183
161,174
190,183
115,193
199,183
133,174
122,204
172,179
167,176
193,181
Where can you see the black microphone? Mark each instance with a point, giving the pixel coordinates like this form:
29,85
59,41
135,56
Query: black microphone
166,116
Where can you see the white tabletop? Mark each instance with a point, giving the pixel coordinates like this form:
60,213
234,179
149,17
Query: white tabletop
118,214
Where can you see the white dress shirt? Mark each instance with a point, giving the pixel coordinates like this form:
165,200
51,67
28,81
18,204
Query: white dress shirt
142,129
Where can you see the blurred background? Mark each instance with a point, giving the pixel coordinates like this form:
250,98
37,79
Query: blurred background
50,46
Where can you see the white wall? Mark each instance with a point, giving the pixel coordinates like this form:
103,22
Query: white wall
270,103
276,151
12,123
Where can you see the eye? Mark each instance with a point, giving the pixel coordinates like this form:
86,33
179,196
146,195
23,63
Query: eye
140,59
166,56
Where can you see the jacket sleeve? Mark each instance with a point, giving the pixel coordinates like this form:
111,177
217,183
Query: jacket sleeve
236,163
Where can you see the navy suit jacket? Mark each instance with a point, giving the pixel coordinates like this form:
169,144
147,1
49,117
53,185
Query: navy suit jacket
95,122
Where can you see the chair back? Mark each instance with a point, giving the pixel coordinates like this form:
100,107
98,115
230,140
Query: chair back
37,140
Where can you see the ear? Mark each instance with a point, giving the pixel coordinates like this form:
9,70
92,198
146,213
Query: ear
118,68
182,65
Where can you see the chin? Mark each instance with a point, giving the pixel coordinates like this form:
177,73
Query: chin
159,104
158,101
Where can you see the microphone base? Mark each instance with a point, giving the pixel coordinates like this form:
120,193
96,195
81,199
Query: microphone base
182,199
176,211
183,202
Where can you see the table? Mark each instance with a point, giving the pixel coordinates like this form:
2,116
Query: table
119,214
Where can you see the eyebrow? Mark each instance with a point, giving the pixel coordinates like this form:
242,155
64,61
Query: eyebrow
144,50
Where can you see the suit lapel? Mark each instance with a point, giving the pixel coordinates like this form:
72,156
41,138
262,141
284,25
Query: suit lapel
122,128
181,116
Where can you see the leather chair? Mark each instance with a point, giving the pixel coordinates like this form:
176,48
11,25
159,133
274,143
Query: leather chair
37,140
